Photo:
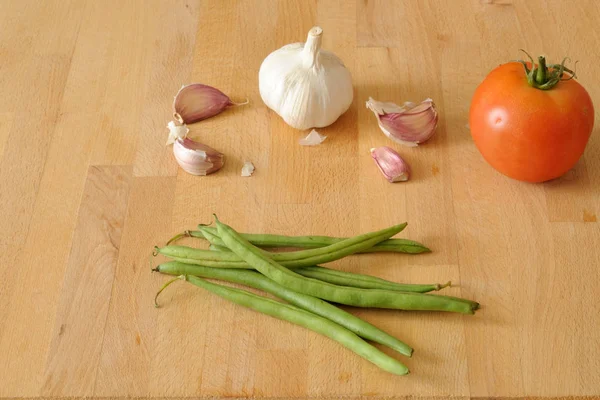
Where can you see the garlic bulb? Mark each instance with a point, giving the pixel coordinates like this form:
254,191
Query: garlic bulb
308,87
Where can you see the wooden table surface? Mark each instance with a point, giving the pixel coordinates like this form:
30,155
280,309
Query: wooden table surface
88,188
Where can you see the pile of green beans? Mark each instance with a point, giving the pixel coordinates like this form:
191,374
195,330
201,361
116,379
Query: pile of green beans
296,278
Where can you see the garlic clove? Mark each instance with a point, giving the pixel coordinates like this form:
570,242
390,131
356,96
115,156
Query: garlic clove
391,165
314,138
176,131
196,102
409,124
197,158
247,169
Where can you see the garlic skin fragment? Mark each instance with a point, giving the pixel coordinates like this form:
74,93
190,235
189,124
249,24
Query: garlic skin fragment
247,169
410,124
391,165
176,131
306,86
196,102
314,138
197,158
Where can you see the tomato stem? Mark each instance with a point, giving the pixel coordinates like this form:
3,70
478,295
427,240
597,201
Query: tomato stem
545,77
540,74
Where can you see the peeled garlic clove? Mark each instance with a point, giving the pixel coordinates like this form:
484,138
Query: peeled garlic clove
176,131
247,169
197,158
196,102
314,138
393,167
409,124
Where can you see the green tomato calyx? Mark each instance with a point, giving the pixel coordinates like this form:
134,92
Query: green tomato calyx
545,76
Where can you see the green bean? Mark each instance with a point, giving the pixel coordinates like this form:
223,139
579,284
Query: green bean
305,319
216,247
181,253
338,294
208,234
329,275
309,242
308,303
302,258
343,278
168,251
354,280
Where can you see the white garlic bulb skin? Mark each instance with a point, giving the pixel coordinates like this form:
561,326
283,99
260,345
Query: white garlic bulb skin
305,85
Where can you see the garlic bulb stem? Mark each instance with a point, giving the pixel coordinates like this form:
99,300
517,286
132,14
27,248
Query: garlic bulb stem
310,53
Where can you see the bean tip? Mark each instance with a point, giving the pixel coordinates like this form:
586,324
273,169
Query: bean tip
445,285
178,236
163,288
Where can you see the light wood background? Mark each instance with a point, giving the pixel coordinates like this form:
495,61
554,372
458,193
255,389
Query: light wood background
88,187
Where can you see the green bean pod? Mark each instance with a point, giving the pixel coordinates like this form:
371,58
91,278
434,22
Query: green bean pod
308,242
293,259
216,247
209,234
305,319
338,294
308,303
343,278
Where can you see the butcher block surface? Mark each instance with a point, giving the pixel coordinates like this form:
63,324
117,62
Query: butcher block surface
88,187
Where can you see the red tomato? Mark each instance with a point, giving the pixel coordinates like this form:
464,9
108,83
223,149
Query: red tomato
527,133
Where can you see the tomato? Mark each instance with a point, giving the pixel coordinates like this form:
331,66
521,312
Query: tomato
526,133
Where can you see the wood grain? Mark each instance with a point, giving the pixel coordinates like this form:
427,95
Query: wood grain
131,335
81,313
88,188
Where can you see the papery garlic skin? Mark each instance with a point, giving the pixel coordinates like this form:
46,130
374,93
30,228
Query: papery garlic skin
305,85
314,138
176,131
410,124
197,158
247,169
391,165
